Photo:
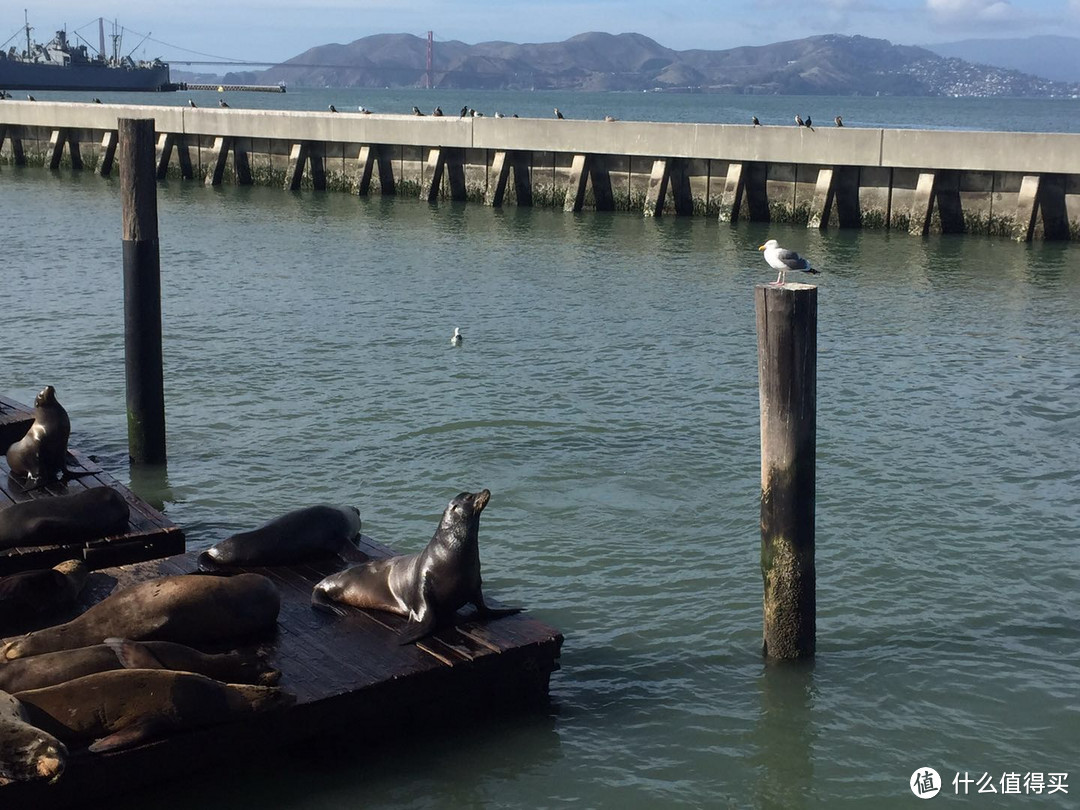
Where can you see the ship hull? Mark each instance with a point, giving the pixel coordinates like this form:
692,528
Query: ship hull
16,75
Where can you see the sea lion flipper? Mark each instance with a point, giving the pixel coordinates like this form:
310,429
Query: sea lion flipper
133,655
486,612
320,601
136,733
414,631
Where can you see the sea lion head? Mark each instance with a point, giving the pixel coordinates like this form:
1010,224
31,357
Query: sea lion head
46,397
462,514
26,752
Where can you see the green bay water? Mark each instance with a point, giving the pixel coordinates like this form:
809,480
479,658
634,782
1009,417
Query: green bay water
606,392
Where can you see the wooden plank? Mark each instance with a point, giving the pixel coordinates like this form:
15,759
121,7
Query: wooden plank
15,420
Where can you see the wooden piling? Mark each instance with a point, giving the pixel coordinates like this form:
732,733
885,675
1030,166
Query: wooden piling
787,386
142,292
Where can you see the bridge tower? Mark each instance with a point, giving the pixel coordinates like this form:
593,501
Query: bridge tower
427,73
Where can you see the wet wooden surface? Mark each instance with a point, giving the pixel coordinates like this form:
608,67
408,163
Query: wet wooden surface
345,671
149,533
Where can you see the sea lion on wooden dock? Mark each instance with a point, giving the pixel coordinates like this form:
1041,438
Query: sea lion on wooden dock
40,453
26,753
49,669
427,587
126,707
294,537
31,595
74,518
192,609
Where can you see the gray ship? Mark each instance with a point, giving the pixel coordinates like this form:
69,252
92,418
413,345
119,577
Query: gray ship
59,65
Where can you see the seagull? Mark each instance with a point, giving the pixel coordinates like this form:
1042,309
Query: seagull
333,108
416,110
798,121
437,112
808,123
839,121
364,110
610,118
456,338
783,260
191,103
755,122
499,114
222,102
97,100
476,114
558,114
30,97
515,115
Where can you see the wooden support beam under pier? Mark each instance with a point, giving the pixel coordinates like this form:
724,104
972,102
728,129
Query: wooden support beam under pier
440,160
923,205
313,155
108,152
167,143
59,139
669,174
370,156
220,154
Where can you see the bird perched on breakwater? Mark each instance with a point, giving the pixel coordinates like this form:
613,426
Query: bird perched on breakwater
464,111
499,114
782,259
455,339
30,97
191,103
558,114
437,112
754,121
416,110
610,118
798,121
809,124
364,110
333,108
97,100
222,102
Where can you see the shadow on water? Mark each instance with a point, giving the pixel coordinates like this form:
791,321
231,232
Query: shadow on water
151,483
783,739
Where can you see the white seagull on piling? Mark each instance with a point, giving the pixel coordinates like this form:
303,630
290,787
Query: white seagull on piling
783,260
456,338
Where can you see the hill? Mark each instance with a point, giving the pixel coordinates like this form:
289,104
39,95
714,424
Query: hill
1051,57
825,65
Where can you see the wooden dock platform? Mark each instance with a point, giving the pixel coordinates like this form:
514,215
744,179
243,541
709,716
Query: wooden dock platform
346,672
149,534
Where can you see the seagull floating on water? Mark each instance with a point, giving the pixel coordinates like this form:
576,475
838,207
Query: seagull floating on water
783,260
456,338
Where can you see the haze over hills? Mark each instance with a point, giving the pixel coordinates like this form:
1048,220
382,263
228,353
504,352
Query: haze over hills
821,65
1052,57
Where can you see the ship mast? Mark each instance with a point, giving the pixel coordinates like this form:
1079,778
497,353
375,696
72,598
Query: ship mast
26,24
101,36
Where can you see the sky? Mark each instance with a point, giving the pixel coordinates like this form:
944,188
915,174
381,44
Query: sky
275,30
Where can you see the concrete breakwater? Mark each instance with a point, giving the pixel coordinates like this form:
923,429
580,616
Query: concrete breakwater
1019,185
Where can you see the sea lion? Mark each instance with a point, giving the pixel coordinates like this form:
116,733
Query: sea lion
291,538
26,753
126,707
427,587
40,453
30,595
74,518
49,669
189,609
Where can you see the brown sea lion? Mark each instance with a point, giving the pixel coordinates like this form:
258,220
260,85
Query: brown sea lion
190,609
427,587
31,595
73,518
126,707
291,538
40,453
26,753
49,669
